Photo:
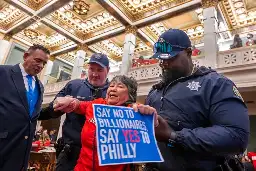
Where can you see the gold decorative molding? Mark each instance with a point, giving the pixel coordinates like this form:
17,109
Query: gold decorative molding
237,15
82,27
52,58
7,37
131,29
53,48
226,15
11,17
35,4
83,47
30,33
209,3
147,8
81,7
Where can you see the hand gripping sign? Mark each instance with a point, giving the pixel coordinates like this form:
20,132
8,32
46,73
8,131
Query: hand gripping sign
124,136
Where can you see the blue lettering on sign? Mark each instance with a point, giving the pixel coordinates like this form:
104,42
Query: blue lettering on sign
124,136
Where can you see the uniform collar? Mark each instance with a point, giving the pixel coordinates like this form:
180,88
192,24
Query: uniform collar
201,71
24,73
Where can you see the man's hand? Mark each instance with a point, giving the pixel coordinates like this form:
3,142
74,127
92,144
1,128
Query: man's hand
146,110
163,130
65,104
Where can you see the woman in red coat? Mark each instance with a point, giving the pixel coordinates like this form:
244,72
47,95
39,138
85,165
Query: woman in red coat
122,91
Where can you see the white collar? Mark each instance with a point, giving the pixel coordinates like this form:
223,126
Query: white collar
24,74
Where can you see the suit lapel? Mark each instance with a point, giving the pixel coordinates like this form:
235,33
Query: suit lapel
20,86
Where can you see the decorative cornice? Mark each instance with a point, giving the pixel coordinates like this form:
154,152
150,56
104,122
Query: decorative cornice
225,15
83,47
35,4
7,37
131,29
209,3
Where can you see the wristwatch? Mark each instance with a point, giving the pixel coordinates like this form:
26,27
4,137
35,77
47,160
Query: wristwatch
171,140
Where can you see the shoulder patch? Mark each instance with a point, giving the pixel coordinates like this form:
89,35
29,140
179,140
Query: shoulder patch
236,92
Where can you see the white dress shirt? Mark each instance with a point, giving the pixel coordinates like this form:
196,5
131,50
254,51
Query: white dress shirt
24,74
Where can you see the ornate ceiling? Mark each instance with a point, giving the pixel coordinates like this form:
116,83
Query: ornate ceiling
239,13
101,25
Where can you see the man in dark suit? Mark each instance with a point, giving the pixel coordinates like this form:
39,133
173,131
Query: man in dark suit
21,96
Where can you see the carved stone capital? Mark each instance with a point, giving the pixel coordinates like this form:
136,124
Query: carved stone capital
131,29
7,37
83,47
209,3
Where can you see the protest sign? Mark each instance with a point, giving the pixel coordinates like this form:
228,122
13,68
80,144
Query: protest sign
124,136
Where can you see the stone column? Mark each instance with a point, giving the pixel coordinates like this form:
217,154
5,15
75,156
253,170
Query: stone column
210,32
129,46
4,48
79,62
76,73
47,70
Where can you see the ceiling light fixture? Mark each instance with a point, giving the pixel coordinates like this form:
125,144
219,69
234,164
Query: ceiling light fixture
81,7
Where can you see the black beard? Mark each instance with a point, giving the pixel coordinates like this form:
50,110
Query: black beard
171,74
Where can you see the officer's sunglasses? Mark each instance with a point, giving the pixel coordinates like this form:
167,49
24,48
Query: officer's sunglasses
166,48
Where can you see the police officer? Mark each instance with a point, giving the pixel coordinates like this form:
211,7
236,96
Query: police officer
95,86
203,120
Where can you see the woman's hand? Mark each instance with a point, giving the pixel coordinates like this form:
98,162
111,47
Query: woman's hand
146,110
65,104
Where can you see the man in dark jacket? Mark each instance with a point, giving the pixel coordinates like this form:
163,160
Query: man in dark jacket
202,116
21,96
94,87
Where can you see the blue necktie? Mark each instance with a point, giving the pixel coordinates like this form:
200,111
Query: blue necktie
30,94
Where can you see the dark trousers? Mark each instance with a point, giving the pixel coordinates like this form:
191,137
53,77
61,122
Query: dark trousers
66,161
